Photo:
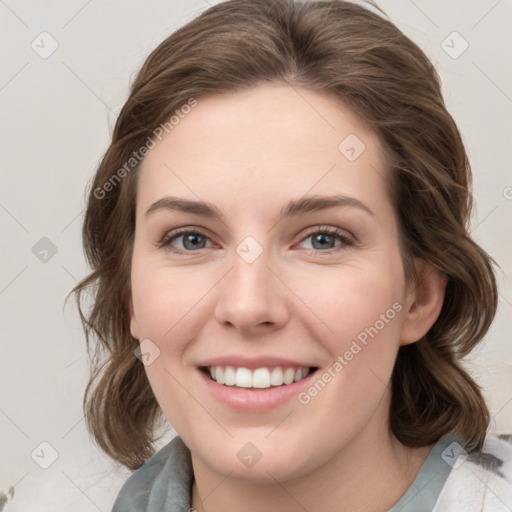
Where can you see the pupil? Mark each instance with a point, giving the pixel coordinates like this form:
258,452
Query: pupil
191,238
322,237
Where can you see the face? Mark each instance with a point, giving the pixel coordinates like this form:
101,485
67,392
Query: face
259,293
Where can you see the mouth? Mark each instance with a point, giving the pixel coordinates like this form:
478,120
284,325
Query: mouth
263,378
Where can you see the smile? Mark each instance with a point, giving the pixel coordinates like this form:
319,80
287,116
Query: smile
259,378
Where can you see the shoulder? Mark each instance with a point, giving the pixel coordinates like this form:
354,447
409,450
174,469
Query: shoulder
481,479
162,483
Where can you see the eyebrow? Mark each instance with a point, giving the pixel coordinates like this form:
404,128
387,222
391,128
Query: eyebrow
296,207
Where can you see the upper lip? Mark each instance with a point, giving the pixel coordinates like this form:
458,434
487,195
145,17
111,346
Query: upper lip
253,363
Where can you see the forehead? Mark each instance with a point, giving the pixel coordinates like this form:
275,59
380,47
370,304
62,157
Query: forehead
271,141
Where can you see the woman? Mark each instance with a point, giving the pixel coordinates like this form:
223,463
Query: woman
281,269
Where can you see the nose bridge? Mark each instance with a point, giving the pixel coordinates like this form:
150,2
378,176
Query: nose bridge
250,295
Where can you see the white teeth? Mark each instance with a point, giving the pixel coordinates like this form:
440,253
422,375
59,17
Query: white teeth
229,376
261,378
288,375
219,374
276,379
243,378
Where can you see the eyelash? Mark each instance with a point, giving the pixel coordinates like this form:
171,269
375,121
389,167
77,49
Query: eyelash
324,230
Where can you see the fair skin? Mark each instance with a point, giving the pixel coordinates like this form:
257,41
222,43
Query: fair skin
304,297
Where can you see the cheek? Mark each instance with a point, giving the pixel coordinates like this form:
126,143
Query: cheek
362,305
349,301
169,312
167,300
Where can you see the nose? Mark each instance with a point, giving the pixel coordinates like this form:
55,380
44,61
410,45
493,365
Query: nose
252,297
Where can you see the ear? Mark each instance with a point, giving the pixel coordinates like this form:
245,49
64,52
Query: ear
423,302
134,327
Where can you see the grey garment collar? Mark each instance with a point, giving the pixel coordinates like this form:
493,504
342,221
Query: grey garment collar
164,483
424,492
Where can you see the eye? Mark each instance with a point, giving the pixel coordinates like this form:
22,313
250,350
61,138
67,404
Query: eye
324,237
191,240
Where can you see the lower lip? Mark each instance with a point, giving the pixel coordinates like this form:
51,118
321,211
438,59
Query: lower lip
254,400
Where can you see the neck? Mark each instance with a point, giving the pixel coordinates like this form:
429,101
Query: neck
369,474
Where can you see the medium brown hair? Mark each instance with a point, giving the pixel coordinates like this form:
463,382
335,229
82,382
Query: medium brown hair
348,52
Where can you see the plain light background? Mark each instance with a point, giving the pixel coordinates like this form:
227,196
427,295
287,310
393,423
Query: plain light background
57,112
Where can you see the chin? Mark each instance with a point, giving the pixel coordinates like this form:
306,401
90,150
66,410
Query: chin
245,461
